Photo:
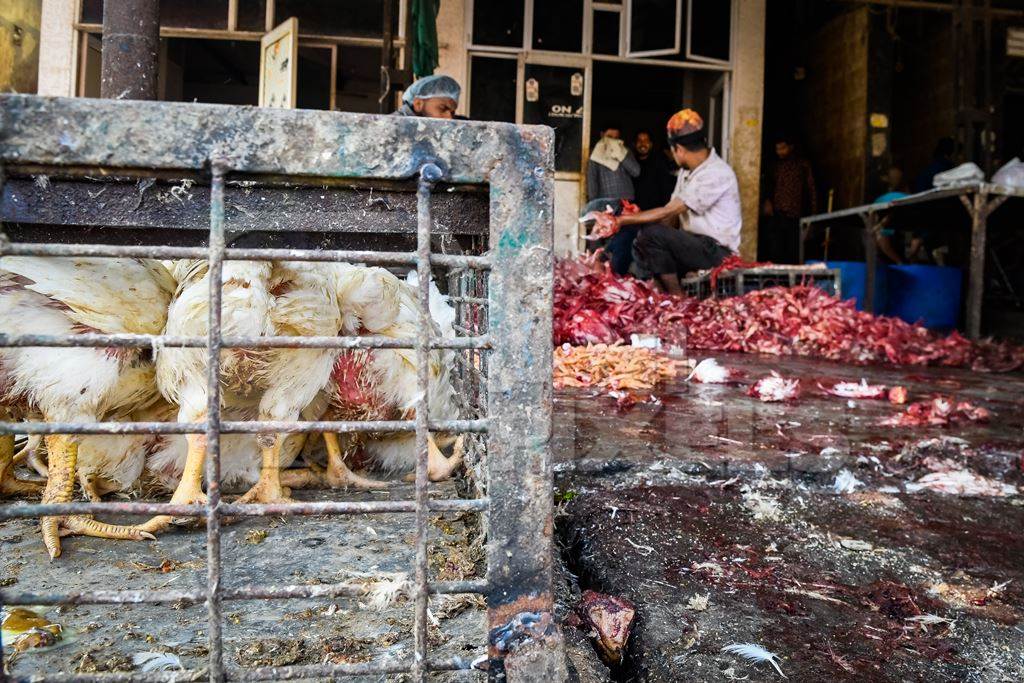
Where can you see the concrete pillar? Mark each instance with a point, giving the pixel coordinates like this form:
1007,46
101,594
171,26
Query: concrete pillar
451,39
746,113
58,41
131,48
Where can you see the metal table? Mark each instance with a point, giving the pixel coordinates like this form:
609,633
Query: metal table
980,200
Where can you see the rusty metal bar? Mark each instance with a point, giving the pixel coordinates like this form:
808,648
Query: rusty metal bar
131,41
429,174
239,427
150,340
149,596
215,635
370,507
524,641
173,253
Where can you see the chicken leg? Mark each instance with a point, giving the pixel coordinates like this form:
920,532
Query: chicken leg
60,485
269,489
338,474
440,468
10,485
190,489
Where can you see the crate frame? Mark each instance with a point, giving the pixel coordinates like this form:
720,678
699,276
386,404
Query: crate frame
517,164
741,281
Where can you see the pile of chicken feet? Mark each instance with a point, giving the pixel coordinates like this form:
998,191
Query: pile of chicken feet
64,296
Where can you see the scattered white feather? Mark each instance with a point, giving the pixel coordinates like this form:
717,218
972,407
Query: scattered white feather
699,603
754,654
846,482
383,593
709,371
775,388
156,661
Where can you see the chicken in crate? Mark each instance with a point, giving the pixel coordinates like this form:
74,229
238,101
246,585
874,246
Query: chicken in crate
263,402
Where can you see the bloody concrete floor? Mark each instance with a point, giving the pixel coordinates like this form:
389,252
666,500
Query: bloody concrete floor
719,517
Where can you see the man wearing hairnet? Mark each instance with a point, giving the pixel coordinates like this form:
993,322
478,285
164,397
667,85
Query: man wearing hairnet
435,97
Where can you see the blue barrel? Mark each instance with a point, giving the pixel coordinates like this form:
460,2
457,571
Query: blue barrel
926,294
853,278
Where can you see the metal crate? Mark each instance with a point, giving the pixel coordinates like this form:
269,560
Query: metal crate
746,280
503,299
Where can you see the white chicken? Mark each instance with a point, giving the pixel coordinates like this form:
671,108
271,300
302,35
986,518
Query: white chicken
381,384
62,296
259,299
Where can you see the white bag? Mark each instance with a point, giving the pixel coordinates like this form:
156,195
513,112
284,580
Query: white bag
1011,174
964,174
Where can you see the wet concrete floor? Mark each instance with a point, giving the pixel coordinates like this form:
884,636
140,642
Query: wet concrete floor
285,550
717,516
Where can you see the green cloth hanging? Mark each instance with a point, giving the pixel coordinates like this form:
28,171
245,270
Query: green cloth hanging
424,36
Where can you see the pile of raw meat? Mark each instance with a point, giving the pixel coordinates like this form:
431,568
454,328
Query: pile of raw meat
593,305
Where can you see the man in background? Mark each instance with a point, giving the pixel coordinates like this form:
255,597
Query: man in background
700,224
789,195
655,182
434,97
942,160
611,168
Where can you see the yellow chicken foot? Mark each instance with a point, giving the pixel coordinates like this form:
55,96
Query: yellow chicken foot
338,474
190,489
60,487
10,485
268,489
440,468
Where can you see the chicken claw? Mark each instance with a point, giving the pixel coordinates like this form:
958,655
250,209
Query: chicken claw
60,487
189,490
440,468
338,474
269,489
10,485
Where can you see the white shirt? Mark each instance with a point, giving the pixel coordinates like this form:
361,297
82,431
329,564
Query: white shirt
712,197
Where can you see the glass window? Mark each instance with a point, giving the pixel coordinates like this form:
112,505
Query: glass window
558,25
313,90
711,21
92,11
252,15
358,80
208,14
606,33
335,18
493,91
498,23
654,27
554,97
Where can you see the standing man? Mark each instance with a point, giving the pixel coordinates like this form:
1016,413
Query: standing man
790,194
611,168
700,224
435,97
655,182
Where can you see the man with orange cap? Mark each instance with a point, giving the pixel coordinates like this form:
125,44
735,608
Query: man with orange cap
701,223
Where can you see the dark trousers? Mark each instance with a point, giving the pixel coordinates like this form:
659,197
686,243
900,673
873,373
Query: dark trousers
660,250
620,249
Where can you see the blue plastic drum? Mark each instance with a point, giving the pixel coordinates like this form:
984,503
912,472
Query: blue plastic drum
854,279
926,294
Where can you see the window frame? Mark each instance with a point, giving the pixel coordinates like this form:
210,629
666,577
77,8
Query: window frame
660,52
